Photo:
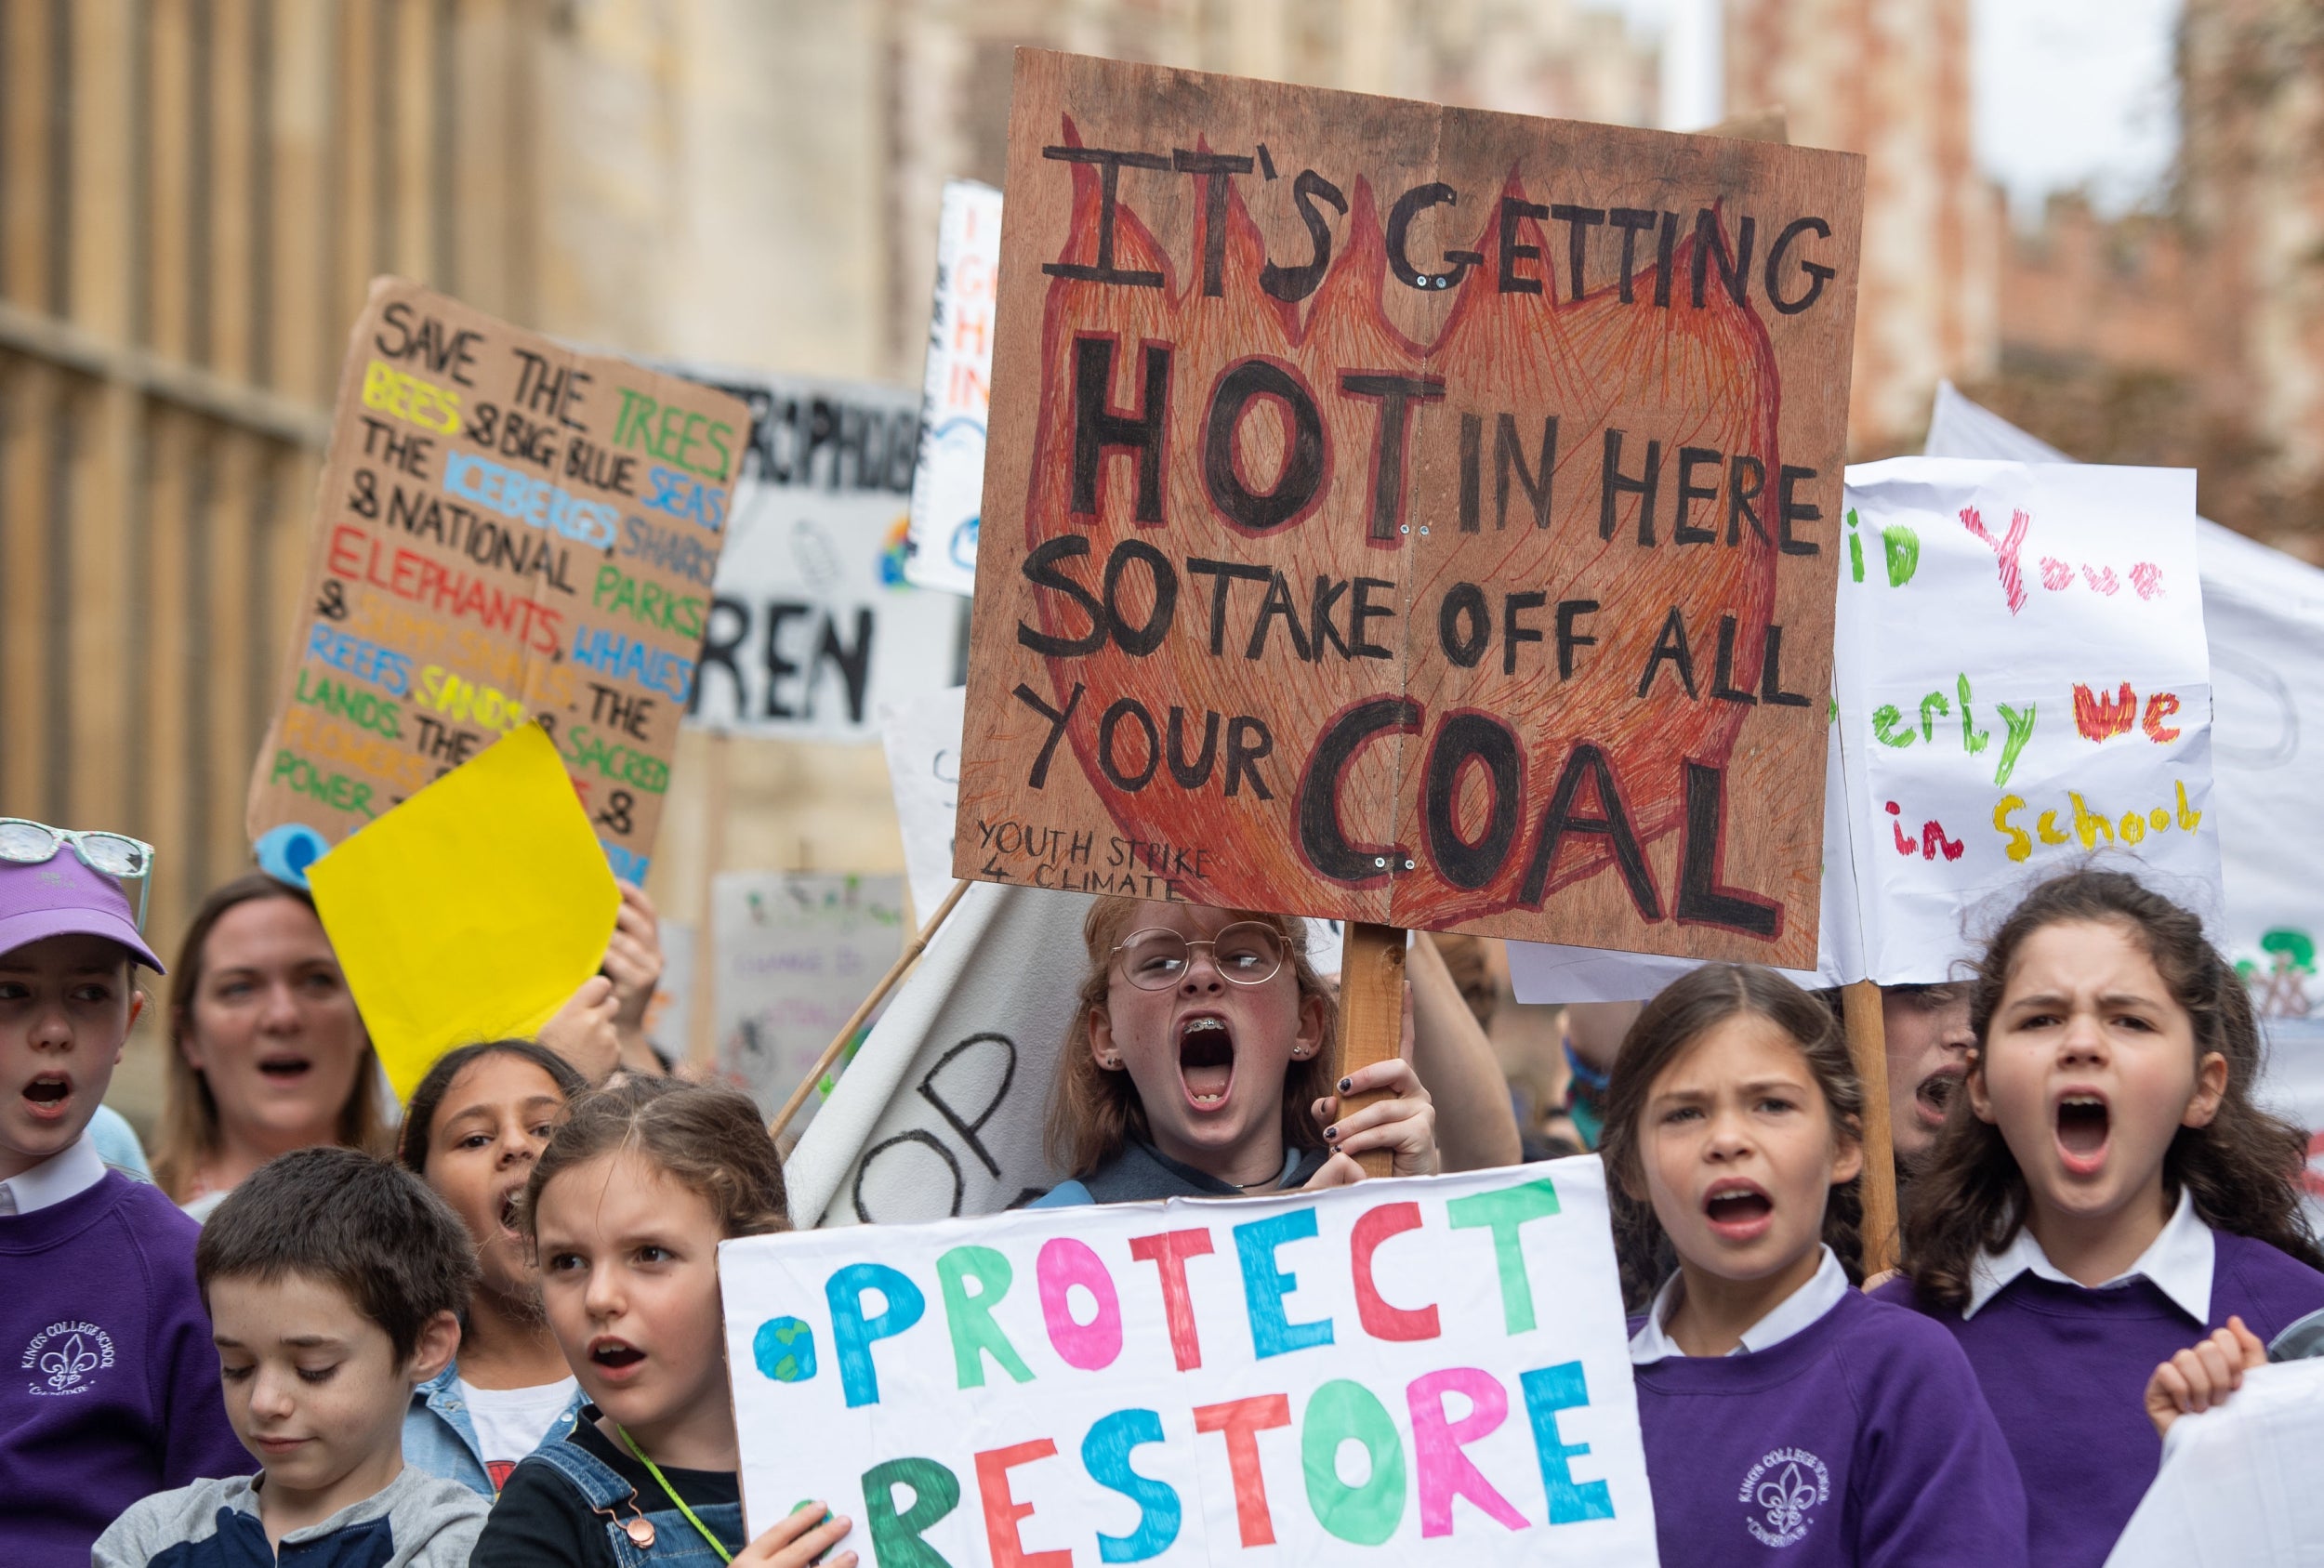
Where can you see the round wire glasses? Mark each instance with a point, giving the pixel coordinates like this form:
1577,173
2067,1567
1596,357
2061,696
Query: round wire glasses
1247,953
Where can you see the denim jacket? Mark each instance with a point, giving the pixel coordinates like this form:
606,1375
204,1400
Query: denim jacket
439,1438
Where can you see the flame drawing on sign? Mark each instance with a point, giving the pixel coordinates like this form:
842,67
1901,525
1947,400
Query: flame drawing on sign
1689,377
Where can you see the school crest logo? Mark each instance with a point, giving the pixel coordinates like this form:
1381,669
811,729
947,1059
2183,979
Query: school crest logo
1781,1495
65,1357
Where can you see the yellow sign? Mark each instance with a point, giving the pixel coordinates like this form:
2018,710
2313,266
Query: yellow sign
472,910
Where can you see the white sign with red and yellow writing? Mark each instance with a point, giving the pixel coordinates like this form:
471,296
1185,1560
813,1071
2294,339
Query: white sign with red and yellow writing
2023,684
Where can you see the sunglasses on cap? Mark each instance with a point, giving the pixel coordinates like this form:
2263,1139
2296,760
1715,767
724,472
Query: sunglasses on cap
26,842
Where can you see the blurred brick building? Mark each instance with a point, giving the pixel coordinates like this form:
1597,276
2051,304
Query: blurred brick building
949,66
1890,79
2251,196
193,193
2194,335
2082,289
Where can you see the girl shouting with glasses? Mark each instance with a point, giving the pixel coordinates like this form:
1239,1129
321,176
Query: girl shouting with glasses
1199,1064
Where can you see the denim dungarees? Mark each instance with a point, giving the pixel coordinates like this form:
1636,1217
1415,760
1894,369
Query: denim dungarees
676,1544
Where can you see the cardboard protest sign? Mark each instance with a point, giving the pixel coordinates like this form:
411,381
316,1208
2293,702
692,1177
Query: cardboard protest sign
796,953
1541,971
955,395
2022,682
472,910
507,531
1422,1371
922,741
1410,514
812,624
942,1108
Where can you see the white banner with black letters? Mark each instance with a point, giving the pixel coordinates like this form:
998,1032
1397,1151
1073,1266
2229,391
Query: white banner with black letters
812,624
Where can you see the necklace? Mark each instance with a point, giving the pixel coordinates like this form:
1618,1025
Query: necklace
1290,1164
671,1492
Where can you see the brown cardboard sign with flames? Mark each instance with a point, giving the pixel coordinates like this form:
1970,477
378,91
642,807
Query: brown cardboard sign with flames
1409,514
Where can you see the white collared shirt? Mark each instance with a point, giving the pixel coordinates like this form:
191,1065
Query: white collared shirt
1794,1312
2178,1262
65,1174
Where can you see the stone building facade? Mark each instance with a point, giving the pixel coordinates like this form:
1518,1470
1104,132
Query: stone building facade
1890,79
2080,288
2251,194
2193,335
758,183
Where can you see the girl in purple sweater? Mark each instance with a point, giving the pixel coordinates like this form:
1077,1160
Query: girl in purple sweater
1781,1410
2105,1195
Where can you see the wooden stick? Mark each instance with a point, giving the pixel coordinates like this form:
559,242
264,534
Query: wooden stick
912,952
702,1022
1868,1043
1371,1014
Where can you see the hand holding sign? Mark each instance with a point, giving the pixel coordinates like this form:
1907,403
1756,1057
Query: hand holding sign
1390,1117
801,1537
584,1031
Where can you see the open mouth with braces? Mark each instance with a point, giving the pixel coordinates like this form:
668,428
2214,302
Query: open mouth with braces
1205,1059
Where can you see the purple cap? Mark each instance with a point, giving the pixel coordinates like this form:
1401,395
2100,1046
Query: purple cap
60,896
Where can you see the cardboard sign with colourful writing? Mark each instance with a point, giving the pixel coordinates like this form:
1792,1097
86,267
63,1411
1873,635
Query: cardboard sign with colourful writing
1429,1371
2023,683
507,531
1408,514
956,395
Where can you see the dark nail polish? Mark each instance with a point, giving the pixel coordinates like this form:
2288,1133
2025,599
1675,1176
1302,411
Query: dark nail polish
1331,1132
1345,1084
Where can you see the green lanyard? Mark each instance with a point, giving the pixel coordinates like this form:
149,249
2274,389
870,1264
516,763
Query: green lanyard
671,1492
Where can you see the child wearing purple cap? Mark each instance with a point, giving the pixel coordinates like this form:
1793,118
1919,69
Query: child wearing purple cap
114,1390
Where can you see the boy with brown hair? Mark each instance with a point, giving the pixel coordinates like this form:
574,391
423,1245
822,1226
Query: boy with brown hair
336,1282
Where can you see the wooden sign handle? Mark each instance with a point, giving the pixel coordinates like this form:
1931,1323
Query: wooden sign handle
1868,1043
1371,1014
702,1046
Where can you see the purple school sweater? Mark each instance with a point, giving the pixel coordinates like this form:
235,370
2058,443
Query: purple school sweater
2065,1371
112,1389
1860,1440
